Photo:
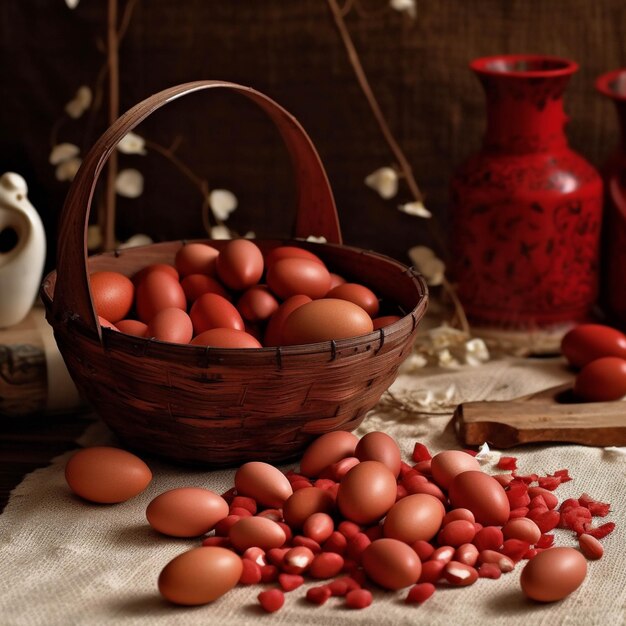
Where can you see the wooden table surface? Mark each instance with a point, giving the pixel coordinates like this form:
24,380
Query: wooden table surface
29,443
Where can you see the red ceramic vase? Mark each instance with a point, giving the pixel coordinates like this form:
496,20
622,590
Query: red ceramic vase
526,209
613,85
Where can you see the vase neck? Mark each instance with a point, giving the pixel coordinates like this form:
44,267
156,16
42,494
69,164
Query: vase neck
524,114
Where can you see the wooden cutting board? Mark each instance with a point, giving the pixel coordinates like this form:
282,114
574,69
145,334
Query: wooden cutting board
550,415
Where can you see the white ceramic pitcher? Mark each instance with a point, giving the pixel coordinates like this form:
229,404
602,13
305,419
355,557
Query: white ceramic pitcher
22,250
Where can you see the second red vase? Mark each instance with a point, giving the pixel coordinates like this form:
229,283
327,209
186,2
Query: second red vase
526,209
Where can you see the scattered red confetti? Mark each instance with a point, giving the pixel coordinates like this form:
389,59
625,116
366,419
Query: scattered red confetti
271,600
545,541
507,463
420,453
549,482
420,593
600,531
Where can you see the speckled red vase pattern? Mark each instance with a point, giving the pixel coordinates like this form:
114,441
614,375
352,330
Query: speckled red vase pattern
526,210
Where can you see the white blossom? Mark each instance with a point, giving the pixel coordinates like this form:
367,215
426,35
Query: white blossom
385,181
317,239
404,6
129,183
485,455
80,102
66,170
250,235
72,4
136,240
132,144
428,264
415,208
222,203
615,452
476,352
63,152
220,232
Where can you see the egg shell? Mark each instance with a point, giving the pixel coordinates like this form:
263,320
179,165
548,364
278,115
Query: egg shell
263,482
305,502
159,267
296,275
106,475
386,320
358,294
211,310
327,449
225,338
196,258
391,564
257,304
379,446
112,294
602,380
289,252
253,531
414,517
132,327
326,319
158,290
200,575
196,285
587,342
553,574
482,495
240,264
449,463
273,332
173,325
367,492
522,528
186,511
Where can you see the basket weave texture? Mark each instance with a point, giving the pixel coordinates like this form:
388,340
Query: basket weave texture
215,406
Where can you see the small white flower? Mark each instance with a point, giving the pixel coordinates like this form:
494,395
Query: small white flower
424,398
476,352
63,152
414,362
385,181
94,237
415,208
72,4
250,235
129,183
136,240
132,144
404,6
80,102
66,170
220,232
317,239
615,452
430,266
222,203
485,455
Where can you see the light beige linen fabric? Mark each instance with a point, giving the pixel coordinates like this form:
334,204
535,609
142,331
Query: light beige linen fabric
66,562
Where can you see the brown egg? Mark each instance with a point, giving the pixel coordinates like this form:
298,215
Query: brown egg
483,495
106,475
391,564
196,285
240,264
322,320
289,252
112,294
447,464
296,275
522,528
379,446
213,311
200,576
263,482
304,503
158,290
260,532
326,450
367,492
173,325
336,280
225,338
196,258
257,304
359,294
385,320
414,517
186,511
602,380
553,574
159,267
132,327
273,332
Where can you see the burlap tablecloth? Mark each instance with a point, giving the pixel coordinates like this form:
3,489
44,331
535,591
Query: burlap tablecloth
64,561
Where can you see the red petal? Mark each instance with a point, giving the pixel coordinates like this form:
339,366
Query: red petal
507,463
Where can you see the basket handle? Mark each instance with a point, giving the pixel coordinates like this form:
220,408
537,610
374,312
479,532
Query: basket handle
316,212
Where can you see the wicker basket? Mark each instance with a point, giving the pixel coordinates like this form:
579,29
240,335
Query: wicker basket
215,406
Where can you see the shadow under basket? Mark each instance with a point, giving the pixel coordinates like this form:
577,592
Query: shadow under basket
215,406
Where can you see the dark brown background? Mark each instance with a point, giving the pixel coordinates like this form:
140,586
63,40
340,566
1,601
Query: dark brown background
292,52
